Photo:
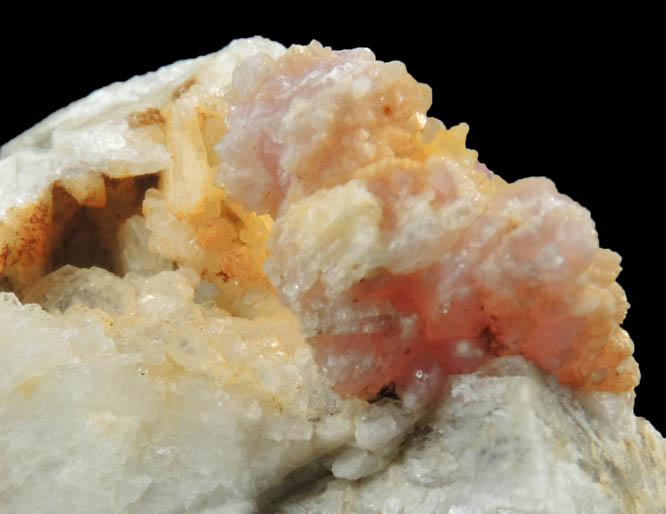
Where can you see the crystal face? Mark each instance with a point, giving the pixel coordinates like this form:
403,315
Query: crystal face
270,263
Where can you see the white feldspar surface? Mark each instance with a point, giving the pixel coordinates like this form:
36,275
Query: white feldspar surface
510,440
132,398
178,383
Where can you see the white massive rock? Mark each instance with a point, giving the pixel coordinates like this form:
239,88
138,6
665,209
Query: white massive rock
510,439
148,365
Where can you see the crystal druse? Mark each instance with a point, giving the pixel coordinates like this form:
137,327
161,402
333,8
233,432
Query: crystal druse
264,280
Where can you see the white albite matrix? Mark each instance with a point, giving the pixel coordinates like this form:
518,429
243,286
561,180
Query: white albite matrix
510,440
133,398
177,380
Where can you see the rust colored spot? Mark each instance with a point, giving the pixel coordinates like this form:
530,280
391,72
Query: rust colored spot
33,243
222,274
180,90
3,257
388,110
244,266
149,116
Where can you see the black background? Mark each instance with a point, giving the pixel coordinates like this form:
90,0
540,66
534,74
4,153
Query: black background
559,94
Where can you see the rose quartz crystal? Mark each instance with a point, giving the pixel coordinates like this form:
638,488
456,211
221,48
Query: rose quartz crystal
404,258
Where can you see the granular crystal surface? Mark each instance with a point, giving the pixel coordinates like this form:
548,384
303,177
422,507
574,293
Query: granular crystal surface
264,280
395,247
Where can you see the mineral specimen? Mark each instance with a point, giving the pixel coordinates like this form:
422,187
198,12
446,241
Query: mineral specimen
265,280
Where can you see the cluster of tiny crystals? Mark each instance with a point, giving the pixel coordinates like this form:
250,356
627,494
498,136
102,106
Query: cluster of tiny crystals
404,258
317,176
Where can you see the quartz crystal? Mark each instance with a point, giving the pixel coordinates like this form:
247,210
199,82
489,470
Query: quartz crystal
265,281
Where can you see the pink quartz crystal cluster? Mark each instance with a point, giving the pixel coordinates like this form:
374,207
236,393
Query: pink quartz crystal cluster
404,258
318,174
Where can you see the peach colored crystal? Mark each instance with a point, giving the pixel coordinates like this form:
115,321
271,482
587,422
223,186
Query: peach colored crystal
404,258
